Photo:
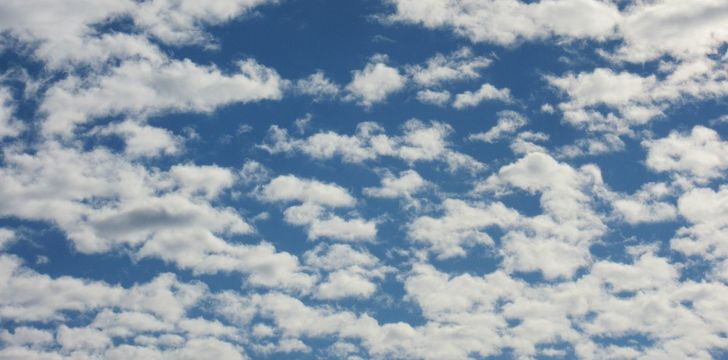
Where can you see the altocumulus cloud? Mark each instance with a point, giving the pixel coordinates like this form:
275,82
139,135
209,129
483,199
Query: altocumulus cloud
256,179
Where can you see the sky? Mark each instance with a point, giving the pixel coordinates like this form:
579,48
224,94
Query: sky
363,179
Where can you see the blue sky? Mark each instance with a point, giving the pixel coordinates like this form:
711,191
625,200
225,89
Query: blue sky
386,179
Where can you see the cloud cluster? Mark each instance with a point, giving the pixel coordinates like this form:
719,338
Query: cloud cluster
576,226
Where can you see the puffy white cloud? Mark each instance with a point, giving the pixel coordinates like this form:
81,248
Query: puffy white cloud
646,206
526,142
630,94
419,142
291,188
7,237
75,41
485,93
701,155
181,22
568,224
461,226
646,30
9,126
375,82
318,86
253,172
351,271
206,180
608,101
439,98
439,69
161,215
508,123
469,314
606,143
507,21
707,212
142,140
408,183
652,29
26,336
315,196
143,88
322,223
38,297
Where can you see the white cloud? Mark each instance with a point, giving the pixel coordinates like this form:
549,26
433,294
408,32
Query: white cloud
144,89
205,180
322,223
461,226
439,98
646,206
408,183
525,142
75,41
253,172
38,297
7,237
607,101
375,82
486,92
419,142
181,22
508,123
352,272
652,29
162,215
568,224
142,140
606,143
318,86
315,196
507,21
707,212
9,126
647,30
439,69
701,155
631,95
288,188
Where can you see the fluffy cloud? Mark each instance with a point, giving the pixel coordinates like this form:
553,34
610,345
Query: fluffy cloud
556,242
291,188
351,272
647,30
143,88
570,272
650,30
167,216
312,213
9,127
647,205
7,237
375,82
419,142
507,21
701,155
485,93
705,209
439,98
322,223
461,226
318,86
508,123
439,69
608,101
408,183
142,140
